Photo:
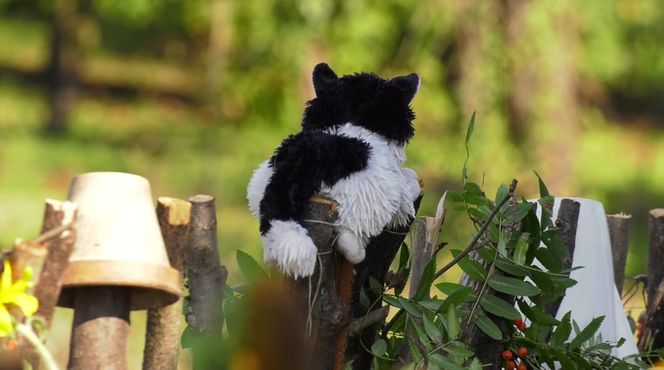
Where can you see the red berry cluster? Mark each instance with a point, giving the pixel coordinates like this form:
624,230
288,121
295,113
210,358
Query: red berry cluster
522,352
520,324
509,359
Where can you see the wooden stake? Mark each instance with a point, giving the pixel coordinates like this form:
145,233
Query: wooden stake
653,328
619,225
325,316
58,217
567,222
101,329
205,274
47,290
422,252
164,325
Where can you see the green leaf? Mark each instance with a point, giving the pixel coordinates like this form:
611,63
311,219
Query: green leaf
522,210
501,246
499,307
472,268
250,269
186,339
521,249
502,263
428,276
554,244
544,192
459,350
457,297
475,365
453,326
375,285
587,333
549,260
444,362
536,315
410,307
469,134
455,196
432,305
512,286
421,334
563,358
404,257
487,326
431,329
543,281
563,330
392,301
501,192
379,347
448,287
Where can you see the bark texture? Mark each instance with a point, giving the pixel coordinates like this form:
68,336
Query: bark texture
619,232
653,328
101,329
205,274
164,325
567,222
324,312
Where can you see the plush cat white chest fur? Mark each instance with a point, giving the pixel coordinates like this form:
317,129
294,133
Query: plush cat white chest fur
379,196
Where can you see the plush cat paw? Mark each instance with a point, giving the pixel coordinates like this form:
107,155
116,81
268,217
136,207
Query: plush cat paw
289,248
350,246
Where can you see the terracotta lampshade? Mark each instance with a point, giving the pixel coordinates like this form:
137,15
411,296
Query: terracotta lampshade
118,241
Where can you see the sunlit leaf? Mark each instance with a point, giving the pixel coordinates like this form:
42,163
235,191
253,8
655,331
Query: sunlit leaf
544,192
251,270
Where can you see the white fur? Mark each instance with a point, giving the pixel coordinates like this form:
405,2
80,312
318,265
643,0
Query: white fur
372,198
289,247
256,187
369,200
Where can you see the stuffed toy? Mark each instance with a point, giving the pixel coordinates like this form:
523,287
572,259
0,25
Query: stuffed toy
350,149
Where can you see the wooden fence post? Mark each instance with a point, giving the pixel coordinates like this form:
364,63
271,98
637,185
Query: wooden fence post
619,225
59,218
653,325
567,222
325,314
101,328
205,274
164,325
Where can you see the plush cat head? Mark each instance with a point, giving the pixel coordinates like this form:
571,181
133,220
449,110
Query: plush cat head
364,99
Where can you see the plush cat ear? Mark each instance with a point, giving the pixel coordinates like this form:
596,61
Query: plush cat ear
323,76
408,84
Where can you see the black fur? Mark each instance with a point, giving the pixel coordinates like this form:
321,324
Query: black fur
379,105
301,165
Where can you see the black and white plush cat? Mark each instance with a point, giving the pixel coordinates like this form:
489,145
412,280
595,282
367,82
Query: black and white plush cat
350,149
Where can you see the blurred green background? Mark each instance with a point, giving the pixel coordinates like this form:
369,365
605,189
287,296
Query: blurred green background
195,94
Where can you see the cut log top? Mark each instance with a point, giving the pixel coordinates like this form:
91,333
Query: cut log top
657,213
178,210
